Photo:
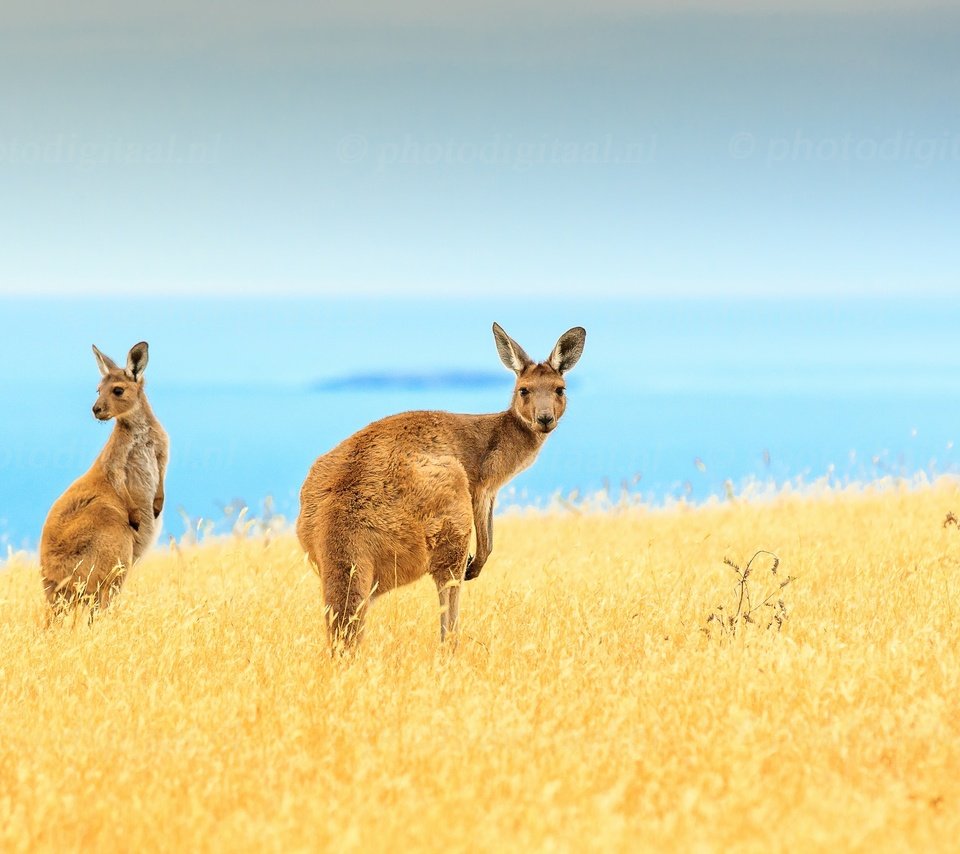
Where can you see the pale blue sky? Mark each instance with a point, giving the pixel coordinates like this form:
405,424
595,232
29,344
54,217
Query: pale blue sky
537,148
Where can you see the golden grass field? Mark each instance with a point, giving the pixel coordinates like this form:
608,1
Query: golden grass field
585,707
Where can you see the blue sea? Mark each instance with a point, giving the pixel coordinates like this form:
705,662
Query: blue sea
671,398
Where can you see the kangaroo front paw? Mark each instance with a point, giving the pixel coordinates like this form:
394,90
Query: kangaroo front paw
472,571
157,506
134,520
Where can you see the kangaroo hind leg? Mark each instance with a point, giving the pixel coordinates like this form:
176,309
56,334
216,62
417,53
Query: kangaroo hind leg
448,562
346,589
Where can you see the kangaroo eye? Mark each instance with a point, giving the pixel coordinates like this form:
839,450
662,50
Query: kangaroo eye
524,392
560,392
118,391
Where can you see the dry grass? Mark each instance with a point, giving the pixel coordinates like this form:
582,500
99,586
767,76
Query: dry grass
586,707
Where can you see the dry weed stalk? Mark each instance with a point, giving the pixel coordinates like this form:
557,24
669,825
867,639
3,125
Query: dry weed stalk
729,620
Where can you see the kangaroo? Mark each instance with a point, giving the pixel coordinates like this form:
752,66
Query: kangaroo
111,515
400,498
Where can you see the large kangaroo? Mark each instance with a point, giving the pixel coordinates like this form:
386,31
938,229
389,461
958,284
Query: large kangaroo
399,498
111,515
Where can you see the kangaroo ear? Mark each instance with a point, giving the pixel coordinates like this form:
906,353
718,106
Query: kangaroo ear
567,352
105,363
511,353
137,360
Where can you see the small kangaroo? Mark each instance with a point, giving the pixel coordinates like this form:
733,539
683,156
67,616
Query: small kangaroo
111,515
400,498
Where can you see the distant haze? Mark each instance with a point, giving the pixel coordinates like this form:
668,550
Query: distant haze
531,148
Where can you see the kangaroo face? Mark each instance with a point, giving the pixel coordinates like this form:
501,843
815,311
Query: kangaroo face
117,395
120,388
540,397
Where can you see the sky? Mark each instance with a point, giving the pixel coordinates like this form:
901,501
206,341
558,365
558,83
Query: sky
529,149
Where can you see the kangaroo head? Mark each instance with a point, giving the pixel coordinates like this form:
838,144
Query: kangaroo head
540,397
121,389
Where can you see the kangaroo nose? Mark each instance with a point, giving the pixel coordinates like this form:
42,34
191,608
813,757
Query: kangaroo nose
96,409
545,420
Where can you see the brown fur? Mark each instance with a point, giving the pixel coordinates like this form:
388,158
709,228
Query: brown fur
111,515
400,498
